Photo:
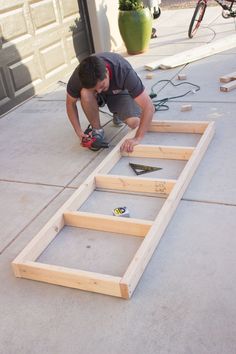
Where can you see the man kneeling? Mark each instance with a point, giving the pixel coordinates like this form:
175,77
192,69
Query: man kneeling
108,78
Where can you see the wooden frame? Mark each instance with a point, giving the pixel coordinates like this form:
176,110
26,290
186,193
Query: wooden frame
25,264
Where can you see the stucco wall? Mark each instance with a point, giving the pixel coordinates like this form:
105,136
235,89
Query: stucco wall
104,24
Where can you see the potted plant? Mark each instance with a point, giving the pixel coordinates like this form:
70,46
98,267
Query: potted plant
135,25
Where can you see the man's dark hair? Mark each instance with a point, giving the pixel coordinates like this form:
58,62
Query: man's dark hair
91,70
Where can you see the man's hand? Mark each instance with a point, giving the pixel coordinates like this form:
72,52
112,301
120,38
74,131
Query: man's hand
128,145
82,135
147,108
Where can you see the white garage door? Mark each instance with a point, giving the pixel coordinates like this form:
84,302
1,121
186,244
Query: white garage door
40,42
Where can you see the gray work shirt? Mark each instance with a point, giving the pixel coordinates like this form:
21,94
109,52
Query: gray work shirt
122,77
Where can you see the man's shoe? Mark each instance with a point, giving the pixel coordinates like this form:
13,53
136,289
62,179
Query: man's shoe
98,143
98,133
117,121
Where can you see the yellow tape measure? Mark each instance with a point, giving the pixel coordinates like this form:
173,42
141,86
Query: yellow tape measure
121,211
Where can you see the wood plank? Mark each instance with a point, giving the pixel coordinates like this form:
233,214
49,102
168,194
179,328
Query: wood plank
154,186
108,223
228,87
182,76
191,55
161,152
73,278
195,127
149,244
228,77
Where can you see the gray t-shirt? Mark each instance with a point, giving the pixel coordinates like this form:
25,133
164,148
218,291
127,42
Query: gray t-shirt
122,77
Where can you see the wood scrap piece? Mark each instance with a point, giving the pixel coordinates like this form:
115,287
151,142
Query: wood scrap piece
228,77
228,87
149,76
182,76
186,107
191,55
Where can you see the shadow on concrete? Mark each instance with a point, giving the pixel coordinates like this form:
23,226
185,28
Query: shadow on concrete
80,44
15,79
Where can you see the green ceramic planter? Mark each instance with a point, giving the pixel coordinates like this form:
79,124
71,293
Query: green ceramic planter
135,29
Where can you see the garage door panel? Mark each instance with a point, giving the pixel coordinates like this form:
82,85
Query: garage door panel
24,72
42,42
43,14
53,56
8,5
13,24
68,8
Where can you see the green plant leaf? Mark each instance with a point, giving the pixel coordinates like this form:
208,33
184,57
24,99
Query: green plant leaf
130,5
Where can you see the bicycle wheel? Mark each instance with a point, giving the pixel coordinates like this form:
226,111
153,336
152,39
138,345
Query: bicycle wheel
197,17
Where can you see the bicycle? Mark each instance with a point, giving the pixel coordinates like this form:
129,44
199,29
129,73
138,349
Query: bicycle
228,11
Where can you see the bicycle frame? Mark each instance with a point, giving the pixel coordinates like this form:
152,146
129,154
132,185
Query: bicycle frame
224,6
227,11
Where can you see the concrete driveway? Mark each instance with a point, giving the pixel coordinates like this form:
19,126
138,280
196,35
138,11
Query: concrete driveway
185,300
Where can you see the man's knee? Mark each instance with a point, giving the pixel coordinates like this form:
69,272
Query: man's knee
132,122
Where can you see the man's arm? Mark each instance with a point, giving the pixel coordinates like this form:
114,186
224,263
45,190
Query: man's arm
146,105
73,115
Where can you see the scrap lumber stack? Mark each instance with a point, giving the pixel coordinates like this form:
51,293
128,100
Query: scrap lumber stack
229,81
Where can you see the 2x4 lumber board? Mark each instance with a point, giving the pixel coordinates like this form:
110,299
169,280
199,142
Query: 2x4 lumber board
196,127
161,152
191,55
228,77
108,223
73,278
228,87
149,244
154,186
